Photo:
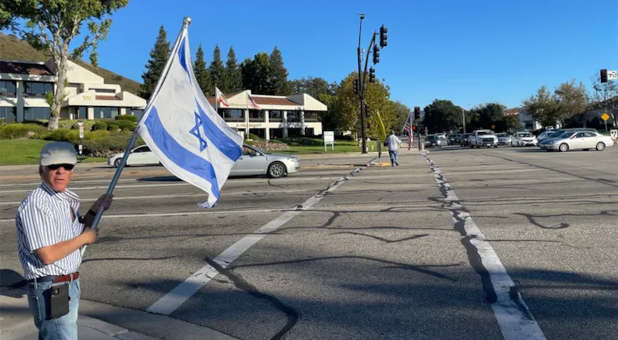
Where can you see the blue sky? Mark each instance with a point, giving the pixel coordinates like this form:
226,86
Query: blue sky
470,52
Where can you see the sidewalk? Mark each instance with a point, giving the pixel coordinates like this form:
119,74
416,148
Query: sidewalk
98,321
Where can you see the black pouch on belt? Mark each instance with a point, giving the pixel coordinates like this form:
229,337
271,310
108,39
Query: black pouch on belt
57,301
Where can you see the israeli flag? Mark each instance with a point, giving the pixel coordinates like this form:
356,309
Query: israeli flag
191,140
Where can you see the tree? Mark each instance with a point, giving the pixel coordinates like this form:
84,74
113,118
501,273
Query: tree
488,116
312,86
156,63
402,112
52,25
201,72
346,107
543,107
233,76
571,99
606,93
216,69
256,74
442,115
279,74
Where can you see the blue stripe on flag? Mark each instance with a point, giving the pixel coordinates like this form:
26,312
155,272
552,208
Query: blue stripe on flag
179,155
182,57
217,137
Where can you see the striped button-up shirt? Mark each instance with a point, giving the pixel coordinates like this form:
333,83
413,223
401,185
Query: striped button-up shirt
44,218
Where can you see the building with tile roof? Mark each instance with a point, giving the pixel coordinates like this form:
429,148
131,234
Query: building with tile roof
24,87
271,116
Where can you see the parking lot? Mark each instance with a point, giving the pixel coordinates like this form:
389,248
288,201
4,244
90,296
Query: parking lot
346,249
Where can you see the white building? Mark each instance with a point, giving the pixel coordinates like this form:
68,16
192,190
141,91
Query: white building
525,118
24,87
272,116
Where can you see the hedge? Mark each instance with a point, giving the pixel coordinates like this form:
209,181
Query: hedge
19,130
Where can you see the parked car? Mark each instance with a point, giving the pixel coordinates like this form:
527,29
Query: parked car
435,140
465,139
483,138
548,134
577,140
140,155
454,138
504,138
253,161
523,138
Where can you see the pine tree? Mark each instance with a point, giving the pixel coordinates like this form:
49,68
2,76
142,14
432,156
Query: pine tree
216,68
233,76
156,63
201,72
279,74
256,74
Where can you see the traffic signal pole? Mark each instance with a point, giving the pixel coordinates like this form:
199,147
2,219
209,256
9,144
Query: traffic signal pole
362,76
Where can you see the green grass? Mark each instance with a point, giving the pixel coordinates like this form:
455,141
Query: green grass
316,145
26,151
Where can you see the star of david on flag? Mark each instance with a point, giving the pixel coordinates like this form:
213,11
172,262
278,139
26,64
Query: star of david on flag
191,140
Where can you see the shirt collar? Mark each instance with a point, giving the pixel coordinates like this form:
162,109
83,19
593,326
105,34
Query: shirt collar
66,195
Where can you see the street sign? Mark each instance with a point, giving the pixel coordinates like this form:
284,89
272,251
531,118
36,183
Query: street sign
329,138
612,75
81,129
605,116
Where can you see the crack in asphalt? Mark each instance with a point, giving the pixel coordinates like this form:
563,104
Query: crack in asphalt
242,284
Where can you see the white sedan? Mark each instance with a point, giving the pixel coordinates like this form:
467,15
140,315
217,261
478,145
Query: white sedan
577,140
523,138
253,161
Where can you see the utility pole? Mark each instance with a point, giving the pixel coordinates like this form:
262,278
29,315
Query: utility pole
362,74
463,119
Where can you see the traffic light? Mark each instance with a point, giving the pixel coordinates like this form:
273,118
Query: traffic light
355,86
367,110
604,76
376,54
417,113
413,127
372,75
383,36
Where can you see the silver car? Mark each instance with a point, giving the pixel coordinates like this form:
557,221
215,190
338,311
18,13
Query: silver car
504,138
523,138
253,161
577,140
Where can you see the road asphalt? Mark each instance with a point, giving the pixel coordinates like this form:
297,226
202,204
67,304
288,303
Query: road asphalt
16,322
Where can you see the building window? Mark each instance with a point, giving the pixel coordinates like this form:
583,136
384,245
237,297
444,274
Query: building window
82,112
293,116
233,115
7,88
34,113
256,116
105,112
38,89
136,112
274,116
8,114
312,116
104,90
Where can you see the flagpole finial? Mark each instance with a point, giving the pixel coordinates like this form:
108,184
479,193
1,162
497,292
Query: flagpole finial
186,21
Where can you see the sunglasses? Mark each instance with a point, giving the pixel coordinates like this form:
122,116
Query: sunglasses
67,167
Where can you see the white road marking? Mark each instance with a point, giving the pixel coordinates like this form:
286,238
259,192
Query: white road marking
168,303
186,213
512,314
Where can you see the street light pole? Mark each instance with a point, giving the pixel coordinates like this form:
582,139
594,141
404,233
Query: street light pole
361,88
463,119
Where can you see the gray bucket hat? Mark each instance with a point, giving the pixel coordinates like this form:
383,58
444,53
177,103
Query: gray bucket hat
58,153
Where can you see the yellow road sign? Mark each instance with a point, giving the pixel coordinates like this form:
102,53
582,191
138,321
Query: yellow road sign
605,116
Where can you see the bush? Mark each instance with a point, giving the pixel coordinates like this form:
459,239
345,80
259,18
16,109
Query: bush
19,130
112,126
61,135
96,135
99,125
130,118
106,146
126,125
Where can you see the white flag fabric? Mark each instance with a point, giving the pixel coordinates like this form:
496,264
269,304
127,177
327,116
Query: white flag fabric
252,104
191,140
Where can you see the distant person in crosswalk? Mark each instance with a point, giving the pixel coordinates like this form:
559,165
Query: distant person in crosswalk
50,233
392,142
